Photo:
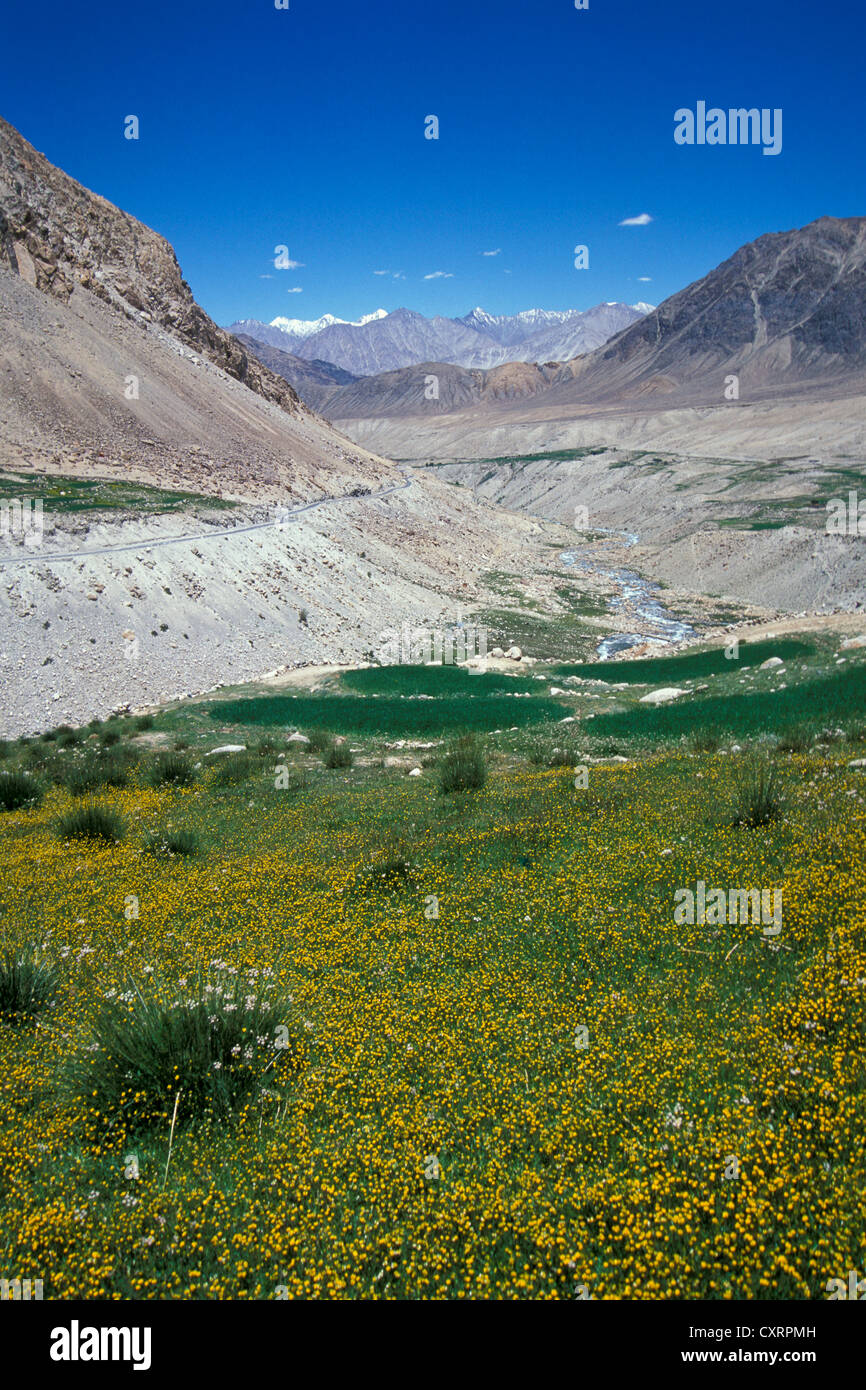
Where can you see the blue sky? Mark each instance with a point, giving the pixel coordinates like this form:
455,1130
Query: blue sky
305,127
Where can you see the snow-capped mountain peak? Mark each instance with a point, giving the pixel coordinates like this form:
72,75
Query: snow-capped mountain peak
383,341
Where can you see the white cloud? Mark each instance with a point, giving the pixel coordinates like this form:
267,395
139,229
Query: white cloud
398,275
641,220
296,289
497,252
266,277
381,272
440,275
647,278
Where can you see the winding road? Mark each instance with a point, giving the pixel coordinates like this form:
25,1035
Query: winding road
42,558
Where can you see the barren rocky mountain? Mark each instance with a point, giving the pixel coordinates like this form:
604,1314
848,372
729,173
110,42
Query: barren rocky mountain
58,235
314,381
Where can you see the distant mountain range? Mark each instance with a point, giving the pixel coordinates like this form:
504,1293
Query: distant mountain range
785,313
382,342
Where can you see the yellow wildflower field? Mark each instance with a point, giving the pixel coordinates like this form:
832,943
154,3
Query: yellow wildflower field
519,1077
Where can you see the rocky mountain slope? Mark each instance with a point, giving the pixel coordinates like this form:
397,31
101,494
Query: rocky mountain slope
478,340
315,381
58,235
785,316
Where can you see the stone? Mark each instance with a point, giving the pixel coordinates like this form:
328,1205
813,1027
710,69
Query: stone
227,748
771,662
662,696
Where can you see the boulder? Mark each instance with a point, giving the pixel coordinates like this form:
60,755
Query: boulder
661,697
514,653
227,748
771,662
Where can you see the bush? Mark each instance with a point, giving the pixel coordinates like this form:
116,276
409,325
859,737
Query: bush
18,789
796,740
69,738
109,737
705,741
561,757
105,770
4,747
28,984
171,769
232,769
265,747
92,822
463,768
339,755
392,870
320,740
170,842
757,796
49,736
144,721
219,1045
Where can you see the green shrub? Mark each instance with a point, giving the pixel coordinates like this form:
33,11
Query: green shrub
561,757
92,822
757,796
144,721
797,739
220,1045
463,768
70,738
236,767
171,769
49,736
97,770
320,740
390,870
705,741
4,747
265,747
172,842
109,737
18,789
28,984
339,755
